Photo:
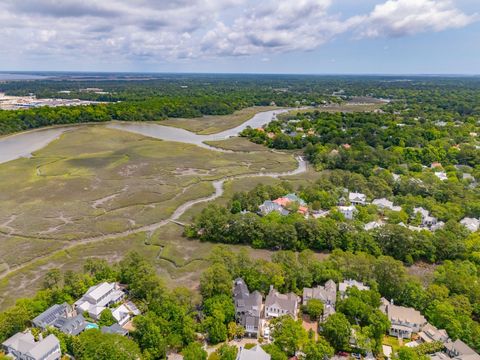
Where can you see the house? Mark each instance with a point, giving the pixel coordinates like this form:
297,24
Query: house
346,284
357,198
248,307
98,297
320,213
124,312
71,325
288,199
471,224
326,294
49,316
114,329
441,175
277,304
61,317
347,211
436,165
386,204
404,320
269,206
427,219
23,346
430,334
373,225
459,350
255,353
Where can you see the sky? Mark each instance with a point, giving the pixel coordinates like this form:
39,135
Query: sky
242,36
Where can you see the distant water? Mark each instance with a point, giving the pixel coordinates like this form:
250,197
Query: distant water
23,144
7,76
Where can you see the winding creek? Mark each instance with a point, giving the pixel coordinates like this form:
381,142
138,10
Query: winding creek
35,140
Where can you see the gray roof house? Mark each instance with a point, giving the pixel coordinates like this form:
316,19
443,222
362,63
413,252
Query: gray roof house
72,325
404,320
255,353
430,334
49,316
269,206
326,294
348,283
24,347
247,307
384,203
461,351
427,219
62,317
277,304
114,329
347,211
471,224
357,198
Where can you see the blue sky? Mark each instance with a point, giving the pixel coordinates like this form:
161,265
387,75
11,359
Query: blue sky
269,36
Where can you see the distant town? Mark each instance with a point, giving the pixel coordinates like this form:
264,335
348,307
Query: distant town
8,102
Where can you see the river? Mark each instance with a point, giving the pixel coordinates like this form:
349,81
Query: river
22,145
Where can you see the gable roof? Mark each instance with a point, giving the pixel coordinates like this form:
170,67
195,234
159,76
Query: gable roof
97,291
72,326
403,314
287,302
255,353
49,316
327,293
25,343
114,329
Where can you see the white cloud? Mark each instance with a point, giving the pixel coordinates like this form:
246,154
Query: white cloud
157,31
396,18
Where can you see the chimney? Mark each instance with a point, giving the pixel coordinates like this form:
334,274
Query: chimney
391,301
40,337
271,287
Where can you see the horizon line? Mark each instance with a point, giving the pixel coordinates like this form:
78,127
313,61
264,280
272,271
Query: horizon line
234,73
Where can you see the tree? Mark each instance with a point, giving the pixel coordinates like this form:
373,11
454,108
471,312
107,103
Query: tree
216,329
53,279
216,280
150,336
220,304
92,344
227,352
337,331
235,331
13,320
275,352
318,350
314,309
106,318
194,351
288,334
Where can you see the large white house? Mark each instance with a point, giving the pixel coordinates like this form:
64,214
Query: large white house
384,203
471,224
277,304
357,198
24,347
404,320
347,211
98,297
346,284
125,312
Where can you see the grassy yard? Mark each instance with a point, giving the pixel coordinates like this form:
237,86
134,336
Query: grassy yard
393,342
213,124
